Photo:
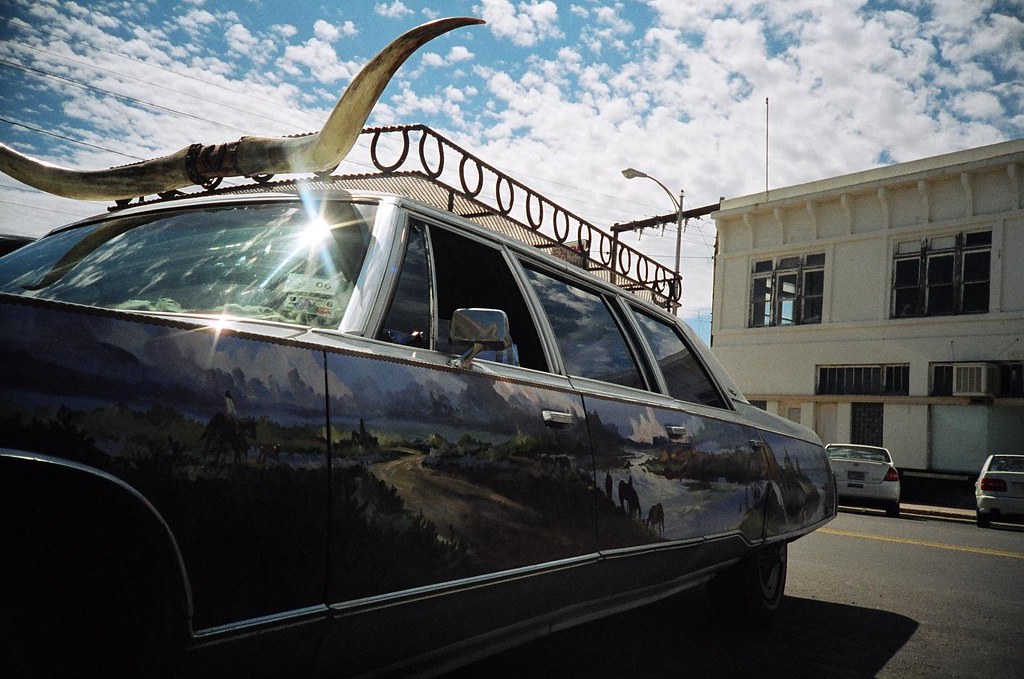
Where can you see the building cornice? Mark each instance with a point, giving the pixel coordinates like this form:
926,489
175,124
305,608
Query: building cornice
1010,153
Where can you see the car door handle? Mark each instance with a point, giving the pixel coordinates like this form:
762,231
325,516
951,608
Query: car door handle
675,432
554,418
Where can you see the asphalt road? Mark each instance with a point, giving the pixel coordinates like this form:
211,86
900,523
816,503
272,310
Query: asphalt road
867,596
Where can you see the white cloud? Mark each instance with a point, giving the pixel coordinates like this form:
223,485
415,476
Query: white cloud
525,24
286,31
982,105
458,53
396,10
455,55
240,40
328,32
607,30
197,21
319,58
675,88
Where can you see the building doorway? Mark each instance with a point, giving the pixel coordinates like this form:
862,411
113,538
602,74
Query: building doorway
866,423
826,417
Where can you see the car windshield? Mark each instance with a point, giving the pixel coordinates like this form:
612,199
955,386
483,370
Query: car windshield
1001,463
861,454
267,261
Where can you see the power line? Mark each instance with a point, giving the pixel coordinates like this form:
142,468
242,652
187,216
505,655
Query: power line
576,191
64,138
150,83
45,209
95,48
124,97
575,196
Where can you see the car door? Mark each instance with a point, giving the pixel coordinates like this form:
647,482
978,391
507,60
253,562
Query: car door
441,473
220,431
673,463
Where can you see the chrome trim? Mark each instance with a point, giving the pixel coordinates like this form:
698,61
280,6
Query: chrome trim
211,636
553,418
390,599
675,432
47,459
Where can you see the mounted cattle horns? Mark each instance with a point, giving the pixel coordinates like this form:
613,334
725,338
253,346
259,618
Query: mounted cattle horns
249,156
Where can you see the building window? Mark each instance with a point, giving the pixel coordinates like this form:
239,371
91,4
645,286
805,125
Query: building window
942,276
1004,379
869,380
867,422
1011,378
942,379
788,291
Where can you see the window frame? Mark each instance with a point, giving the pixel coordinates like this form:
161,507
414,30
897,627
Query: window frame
430,224
611,302
631,311
881,379
778,292
938,292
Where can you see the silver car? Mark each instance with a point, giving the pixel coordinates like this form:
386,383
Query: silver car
865,475
999,490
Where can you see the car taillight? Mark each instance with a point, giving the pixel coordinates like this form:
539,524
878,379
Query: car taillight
994,485
891,475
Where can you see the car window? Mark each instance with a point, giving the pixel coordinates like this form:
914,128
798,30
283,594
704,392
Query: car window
684,376
266,261
1007,464
466,274
589,338
409,319
863,454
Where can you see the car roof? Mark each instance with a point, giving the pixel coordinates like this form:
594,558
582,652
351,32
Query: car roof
476,192
858,446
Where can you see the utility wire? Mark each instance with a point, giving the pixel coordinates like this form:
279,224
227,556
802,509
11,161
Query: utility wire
123,97
65,138
190,95
574,197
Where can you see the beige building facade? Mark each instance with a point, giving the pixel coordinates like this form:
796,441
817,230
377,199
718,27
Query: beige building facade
884,307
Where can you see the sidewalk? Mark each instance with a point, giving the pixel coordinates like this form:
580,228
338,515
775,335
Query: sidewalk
938,512
907,509
941,496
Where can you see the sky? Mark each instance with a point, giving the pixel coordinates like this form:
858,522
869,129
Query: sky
710,97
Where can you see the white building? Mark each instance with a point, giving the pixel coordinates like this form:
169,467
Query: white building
884,307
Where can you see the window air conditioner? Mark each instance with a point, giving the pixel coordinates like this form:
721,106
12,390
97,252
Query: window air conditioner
975,379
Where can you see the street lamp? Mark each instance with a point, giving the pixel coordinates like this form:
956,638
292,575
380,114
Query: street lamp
630,173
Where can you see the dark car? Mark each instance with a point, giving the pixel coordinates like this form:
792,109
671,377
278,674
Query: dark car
11,242
318,427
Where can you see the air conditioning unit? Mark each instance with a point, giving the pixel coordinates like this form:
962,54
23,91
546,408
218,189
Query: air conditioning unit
976,379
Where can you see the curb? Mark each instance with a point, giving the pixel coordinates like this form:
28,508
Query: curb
950,513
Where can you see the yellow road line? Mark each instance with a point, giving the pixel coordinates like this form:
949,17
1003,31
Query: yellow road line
922,543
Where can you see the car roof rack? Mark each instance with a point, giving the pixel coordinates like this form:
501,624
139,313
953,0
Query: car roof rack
446,176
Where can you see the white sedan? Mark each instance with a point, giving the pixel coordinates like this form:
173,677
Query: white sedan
865,475
999,490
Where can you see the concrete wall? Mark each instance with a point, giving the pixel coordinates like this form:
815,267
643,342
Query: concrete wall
857,221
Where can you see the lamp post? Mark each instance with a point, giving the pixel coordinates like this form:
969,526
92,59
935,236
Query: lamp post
630,173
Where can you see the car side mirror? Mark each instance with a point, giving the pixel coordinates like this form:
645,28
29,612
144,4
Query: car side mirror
482,329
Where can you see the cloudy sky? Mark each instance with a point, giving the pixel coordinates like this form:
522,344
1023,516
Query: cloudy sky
560,95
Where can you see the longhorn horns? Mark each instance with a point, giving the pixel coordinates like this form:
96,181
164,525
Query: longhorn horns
249,156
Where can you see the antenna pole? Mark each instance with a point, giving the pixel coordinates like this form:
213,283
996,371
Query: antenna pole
766,146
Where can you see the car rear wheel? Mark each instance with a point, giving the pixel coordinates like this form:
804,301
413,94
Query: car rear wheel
984,520
893,509
750,591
